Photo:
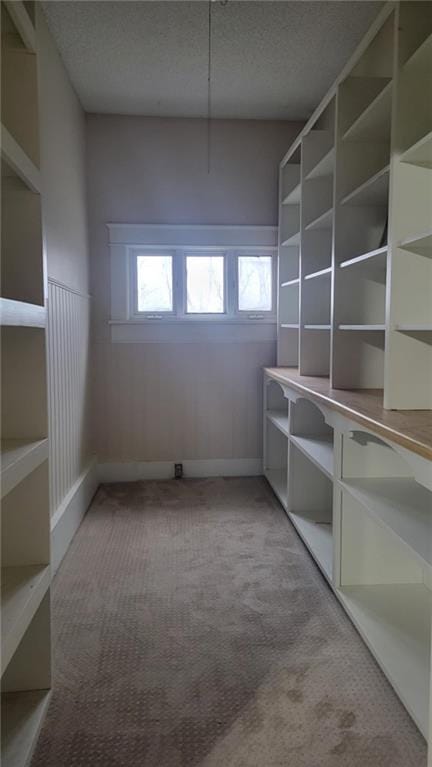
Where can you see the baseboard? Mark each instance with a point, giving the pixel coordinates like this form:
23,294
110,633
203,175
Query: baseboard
213,467
67,518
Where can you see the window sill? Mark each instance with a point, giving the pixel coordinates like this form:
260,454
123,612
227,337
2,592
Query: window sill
227,330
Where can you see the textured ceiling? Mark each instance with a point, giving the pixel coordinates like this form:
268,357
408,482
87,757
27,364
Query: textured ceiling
271,60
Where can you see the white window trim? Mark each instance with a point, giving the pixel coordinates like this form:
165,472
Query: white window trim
129,325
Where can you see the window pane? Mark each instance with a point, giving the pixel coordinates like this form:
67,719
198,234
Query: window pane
154,283
205,284
255,283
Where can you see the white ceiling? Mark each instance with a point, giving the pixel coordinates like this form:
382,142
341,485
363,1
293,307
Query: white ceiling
271,60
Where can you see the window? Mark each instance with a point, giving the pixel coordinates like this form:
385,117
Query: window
255,283
154,283
205,284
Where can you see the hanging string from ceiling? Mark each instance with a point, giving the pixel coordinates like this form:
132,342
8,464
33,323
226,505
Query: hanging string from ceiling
222,3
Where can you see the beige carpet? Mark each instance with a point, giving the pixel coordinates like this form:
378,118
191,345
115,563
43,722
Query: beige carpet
192,628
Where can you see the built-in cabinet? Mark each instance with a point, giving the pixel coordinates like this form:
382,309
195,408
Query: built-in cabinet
362,505
355,221
25,518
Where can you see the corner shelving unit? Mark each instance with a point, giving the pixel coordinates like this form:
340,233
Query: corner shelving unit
25,520
289,260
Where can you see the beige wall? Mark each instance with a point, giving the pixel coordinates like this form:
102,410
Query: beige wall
164,401
62,138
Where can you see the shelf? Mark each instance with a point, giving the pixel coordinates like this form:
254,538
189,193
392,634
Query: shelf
18,162
420,153
420,59
279,419
293,197
318,449
293,239
22,590
374,191
21,19
394,620
317,327
373,124
22,717
287,325
324,221
320,273
402,505
324,167
18,459
375,258
21,314
318,537
413,328
363,328
278,481
290,282
420,243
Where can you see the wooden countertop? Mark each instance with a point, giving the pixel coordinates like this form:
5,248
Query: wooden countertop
410,428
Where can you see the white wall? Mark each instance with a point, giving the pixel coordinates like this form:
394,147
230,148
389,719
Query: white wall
175,402
62,139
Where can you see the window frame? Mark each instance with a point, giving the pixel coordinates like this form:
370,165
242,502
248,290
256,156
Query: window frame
202,252
133,253
256,314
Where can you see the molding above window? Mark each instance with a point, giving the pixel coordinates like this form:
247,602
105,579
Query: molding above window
128,327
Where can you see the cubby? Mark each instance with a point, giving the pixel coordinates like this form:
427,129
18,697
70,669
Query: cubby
276,460
25,516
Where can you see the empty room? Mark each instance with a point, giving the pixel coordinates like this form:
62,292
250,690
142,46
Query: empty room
216,383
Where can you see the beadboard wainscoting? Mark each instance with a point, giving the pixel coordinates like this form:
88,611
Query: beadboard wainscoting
71,463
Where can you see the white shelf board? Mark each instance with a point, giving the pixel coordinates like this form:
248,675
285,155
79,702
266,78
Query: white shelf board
419,243
318,537
293,197
288,283
320,273
394,621
289,325
318,449
21,314
317,327
420,153
415,328
323,221
293,239
277,478
401,504
324,166
374,259
279,419
22,718
420,58
22,590
18,161
373,191
363,328
19,458
23,23
374,121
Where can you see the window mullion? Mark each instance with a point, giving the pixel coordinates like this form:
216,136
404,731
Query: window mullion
230,284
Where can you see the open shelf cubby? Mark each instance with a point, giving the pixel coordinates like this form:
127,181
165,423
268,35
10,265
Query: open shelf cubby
276,460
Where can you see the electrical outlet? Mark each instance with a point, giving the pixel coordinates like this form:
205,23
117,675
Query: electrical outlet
178,470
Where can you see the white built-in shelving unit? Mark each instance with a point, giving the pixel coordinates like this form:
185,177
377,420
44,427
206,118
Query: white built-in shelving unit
25,521
356,221
355,337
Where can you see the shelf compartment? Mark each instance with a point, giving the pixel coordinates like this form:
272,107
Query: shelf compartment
373,124
363,101
21,314
318,154
319,449
276,460
323,221
23,23
421,244
292,239
376,259
400,504
293,197
413,328
394,620
277,479
18,162
279,419
420,153
324,166
18,459
320,273
22,591
290,184
318,538
373,191
22,717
